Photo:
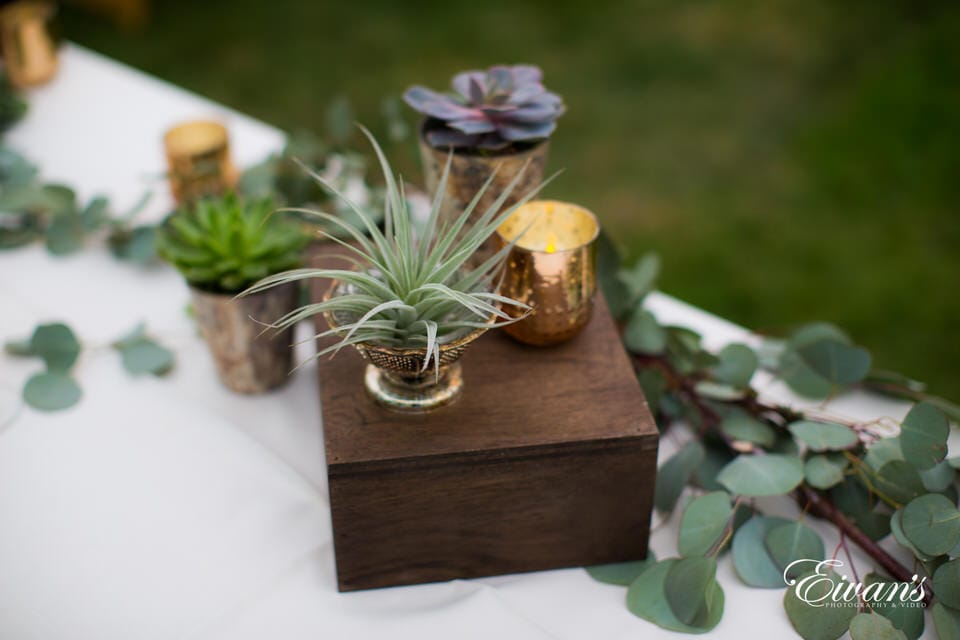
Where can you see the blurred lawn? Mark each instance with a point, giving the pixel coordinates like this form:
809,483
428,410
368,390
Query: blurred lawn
790,161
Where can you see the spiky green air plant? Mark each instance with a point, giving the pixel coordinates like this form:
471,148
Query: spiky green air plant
410,287
226,244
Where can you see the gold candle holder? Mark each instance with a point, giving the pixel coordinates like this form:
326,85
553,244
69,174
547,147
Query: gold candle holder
552,268
29,54
198,160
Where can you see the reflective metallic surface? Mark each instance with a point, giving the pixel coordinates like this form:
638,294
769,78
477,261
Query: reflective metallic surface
552,267
198,160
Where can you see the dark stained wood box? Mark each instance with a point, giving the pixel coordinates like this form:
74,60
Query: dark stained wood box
547,460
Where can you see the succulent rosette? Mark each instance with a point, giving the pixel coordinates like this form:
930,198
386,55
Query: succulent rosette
490,109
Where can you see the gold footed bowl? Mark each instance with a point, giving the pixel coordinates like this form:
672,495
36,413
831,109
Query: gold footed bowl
396,378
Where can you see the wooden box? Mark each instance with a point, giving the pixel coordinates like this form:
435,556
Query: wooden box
548,460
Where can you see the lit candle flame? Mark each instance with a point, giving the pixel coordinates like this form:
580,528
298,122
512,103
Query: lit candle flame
551,243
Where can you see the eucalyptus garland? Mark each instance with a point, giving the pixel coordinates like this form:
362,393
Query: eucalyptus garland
868,479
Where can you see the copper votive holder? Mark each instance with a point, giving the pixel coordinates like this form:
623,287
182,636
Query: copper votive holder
552,268
29,53
198,160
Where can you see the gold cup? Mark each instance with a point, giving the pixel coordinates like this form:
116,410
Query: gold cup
198,160
29,54
552,268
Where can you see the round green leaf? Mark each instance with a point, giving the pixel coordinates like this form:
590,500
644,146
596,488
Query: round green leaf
56,344
736,365
622,573
853,499
749,429
896,527
909,620
824,436
644,334
787,543
836,361
675,473
932,523
687,586
716,458
51,391
801,378
647,599
946,621
946,584
883,451
824,471
704,521
899,481
870,626
813,622
923,436
762,475
146,356
938,477
750,557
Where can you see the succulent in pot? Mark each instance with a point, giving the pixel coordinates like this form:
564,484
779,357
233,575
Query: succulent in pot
499,118
221,246
412,303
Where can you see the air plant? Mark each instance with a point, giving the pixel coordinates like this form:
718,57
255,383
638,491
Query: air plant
490,109
411,286
226,244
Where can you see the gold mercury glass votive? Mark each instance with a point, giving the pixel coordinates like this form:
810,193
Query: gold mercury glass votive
198,160
552,268
29,53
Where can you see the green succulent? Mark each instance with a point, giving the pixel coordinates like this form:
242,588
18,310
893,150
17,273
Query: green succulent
225,244
412,285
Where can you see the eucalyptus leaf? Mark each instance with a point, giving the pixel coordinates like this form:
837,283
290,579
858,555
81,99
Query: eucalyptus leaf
643,334
95,214
687,587
817,622
939,477
675,473
835,361
898,481
908,619
946,621
641,278
932,523
870,626
853,500
714,461
824,471
824,436
647,599
737,363
621,573
717,391
140,354
744,427
946,584
56,344
762,475
896,528
923,436
883,451
608,268
51,391
65,233
787,543
704,521
751,560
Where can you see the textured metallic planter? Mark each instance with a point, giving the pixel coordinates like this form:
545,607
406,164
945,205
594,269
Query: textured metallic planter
395,377
248,359
198,160
29,54
469,172
552,268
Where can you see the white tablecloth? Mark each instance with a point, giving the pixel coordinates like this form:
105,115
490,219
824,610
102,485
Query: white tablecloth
172,508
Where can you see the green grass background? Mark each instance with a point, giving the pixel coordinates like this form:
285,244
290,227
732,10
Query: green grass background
790,160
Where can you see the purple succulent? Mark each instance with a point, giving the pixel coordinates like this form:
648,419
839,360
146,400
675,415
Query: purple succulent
489,109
